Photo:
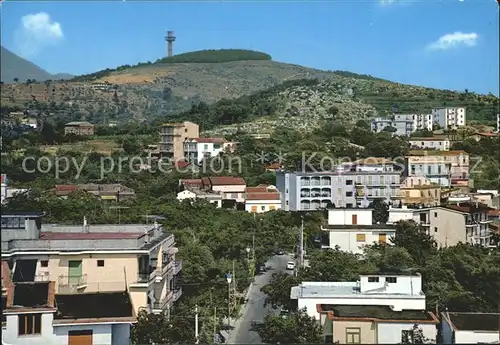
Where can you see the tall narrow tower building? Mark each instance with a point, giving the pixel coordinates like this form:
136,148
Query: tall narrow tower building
170,38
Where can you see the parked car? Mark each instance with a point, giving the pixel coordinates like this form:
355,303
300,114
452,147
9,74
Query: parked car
290,265
262,268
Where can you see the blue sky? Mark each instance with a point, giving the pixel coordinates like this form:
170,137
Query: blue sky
396,40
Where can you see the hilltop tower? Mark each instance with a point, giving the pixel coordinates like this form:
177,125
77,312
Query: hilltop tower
170,38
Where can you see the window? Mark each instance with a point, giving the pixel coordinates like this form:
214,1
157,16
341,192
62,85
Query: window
353,335
391,280
254,209
348,193
29,324
348,206
205,147
44,263
429,171
354,219
435,214
234,195
286,202
348,182
272,207
435,229
373,279
360,237
100,263
263,208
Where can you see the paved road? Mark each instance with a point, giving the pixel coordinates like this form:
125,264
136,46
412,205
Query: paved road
254,308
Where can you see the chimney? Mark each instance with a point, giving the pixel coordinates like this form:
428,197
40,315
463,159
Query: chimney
85,225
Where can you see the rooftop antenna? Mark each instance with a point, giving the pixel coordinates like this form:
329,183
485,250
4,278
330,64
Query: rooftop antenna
169,38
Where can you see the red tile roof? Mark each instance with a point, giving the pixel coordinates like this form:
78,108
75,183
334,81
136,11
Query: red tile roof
191,182
225,181
257,189
46,235
488,134
181,164
262,196
274,166
66,187
210,140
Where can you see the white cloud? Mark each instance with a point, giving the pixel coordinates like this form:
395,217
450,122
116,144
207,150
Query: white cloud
387,2
36,32
454,40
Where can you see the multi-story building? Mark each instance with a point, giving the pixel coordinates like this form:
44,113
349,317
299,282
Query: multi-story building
262,198
196,149
430,143
449,225
498,123
345,186
81,128
469,328
380,324
401,291
449,117
352,229
7,191
94,258
172,137
405,124
231,188
445,168
35,314
420,191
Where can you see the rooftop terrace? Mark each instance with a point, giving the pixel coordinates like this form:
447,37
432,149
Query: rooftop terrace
377,313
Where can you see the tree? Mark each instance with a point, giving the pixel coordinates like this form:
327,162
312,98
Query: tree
413,237
297,328
380,211
278,290
415,336
158,329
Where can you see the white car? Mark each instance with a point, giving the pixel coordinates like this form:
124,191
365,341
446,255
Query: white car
290,265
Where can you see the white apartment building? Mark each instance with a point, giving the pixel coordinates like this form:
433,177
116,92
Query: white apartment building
449,117
405,124
431,143
399,214
352,229
197,149
470,328
401,291
498,123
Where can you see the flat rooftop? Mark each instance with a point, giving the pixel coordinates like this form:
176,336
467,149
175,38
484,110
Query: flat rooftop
389,227
475,321
88,235
377,312
340,289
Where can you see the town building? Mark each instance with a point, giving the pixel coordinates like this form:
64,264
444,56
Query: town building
173,136
449,117
352,229
451,224
430,143
404,124
194,193
7,191
484,135
374,324
231,188
498,123
400,290
30,121
81,128
94,258
36,315
262,198
400,214
444,168
114,191
470,328
420,191
197,149
346,186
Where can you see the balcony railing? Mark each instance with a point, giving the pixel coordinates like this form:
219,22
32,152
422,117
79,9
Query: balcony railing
42,277
71,284
167,266
177,294
177,267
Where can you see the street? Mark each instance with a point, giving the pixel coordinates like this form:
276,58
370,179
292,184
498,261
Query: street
254,309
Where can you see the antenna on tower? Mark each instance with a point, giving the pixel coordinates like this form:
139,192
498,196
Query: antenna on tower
170,38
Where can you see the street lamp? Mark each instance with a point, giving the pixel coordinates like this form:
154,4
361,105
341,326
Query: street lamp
229,279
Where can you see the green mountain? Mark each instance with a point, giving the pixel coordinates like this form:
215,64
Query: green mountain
14,66
227,89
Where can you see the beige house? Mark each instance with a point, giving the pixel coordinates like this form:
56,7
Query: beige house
262,198
430,143
449,225
95,258
81,128
419,190
376,324
231,188
172,137
113,191
192,194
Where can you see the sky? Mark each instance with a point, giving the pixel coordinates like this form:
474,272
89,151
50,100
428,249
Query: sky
448,44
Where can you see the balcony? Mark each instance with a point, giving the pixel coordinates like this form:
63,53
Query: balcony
177,294
177,267
42,277
71,284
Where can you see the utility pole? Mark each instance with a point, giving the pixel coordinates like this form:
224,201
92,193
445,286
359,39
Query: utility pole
215,325
301,242
196,337
229,279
